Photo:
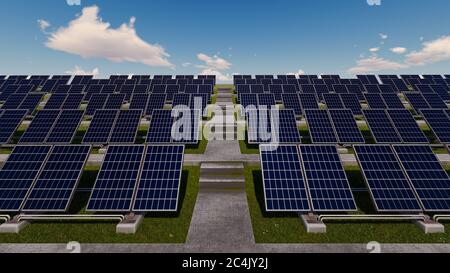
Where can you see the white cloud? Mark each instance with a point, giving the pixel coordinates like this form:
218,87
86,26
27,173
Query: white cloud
373,64
90,37
399,50
80,71
298,73
214,62
187,64
383,36
43,25
214,66
432,52
374,49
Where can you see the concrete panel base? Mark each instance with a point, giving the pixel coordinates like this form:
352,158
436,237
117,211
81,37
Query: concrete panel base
312,224
13,227
430,227
130,225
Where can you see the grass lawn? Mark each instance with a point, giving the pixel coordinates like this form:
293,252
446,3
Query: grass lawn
287,228
156,227
196,149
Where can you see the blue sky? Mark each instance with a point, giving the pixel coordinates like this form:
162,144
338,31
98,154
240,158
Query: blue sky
246,37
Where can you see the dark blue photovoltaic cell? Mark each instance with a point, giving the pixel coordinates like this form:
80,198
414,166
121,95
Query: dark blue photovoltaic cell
351,102
407,126
435,101
381,127
284,127
40,127
327,182
427,176
308,101
13,101
31,102
346,127
259,127
181,99
267,100
10,120
417,101
155,102
160,127
126,127
72,102
55,186
65,127
114,101
96,102
117,179
248,100
392,101
439,122
320,126
159,183
18,174
139,102
333,101
375,101
55,102
284,185
291,101
388,185
100,128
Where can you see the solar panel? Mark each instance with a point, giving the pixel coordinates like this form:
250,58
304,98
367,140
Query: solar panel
375,101
199,101
160,127
284,185
267,100
18,174
30,102
73,102
159,182
439,123
181,99
126,127
346,127
259,127
327,181
388,185
372,88
62,89
117,179
442,90
320,126
248,100
139,102
91,90
351,102
429,179
320,90
114,101
10,121
308,101
55,186
284,127
155,102
65,127
96,102
13,101
381,126
55,102
386,89
417,101
100,128
392,101
435,101
407,126
128,90
291,101
40,127
333,101
109,89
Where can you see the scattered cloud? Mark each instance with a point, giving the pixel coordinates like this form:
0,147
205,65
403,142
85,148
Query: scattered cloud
383,36
90,37
214,62
298,73
373,64
432,52
214,65
186,64
374,49
399,50
43,25
80,71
